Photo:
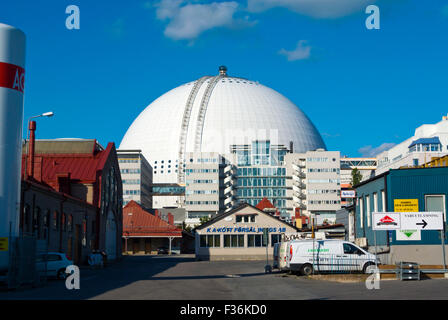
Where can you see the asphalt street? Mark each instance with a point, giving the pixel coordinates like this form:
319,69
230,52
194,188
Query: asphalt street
183,278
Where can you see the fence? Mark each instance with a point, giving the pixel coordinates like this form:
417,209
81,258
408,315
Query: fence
23,265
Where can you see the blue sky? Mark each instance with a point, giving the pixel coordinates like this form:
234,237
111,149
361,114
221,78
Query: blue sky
363,89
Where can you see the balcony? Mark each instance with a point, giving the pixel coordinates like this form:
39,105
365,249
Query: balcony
299,184
228,201
228,180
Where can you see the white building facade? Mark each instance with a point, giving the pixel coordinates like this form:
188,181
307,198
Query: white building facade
136,176
315,183
209,184
429,140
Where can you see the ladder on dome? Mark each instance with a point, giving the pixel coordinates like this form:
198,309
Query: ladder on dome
184,127
203,110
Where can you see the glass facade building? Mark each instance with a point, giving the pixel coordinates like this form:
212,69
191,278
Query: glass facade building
261,173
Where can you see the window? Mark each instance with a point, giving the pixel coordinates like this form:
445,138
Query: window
375,202
368,210
245,218
233,241
63,224
70,223
255,240
350,249
55,220
383,201
435,203
210,241
361,212
36,222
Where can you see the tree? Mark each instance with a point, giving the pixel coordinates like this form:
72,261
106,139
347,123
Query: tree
186,228
356,177
204,219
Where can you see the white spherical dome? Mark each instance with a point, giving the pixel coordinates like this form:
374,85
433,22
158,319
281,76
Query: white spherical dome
212,113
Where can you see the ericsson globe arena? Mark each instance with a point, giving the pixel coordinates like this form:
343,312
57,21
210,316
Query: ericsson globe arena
211,114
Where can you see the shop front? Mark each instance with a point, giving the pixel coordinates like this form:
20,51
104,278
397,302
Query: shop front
238,235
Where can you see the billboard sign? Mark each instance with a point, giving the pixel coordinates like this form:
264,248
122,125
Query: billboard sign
406,205
348,194
422,220
386,221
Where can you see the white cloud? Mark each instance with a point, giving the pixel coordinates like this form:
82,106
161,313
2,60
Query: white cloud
187,20
369,151
166,9
301,52
313,8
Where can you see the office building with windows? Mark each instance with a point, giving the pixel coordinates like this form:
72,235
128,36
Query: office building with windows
314,184
136,175
209,184
261,173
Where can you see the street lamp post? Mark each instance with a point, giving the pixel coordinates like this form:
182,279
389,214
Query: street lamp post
29,165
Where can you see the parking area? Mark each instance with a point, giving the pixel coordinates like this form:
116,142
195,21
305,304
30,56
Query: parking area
180,277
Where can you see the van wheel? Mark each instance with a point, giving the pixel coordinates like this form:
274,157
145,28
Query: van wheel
306,270
368,267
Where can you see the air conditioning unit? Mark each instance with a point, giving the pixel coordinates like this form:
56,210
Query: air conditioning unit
361,242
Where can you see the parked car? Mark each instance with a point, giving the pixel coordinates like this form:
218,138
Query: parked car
53,264
306,256
162,250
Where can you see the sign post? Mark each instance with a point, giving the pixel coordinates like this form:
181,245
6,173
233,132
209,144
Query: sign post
267,268
411,221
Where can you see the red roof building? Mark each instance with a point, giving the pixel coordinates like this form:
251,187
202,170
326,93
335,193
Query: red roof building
139,222
267,206
76,169
145,233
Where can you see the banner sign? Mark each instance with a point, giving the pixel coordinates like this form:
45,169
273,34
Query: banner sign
12,77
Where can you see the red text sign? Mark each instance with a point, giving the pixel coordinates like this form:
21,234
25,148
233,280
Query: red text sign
12,77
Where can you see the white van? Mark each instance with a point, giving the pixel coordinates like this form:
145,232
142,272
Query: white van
280,255
304,256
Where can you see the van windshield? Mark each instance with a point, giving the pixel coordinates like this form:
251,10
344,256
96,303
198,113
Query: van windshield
351,249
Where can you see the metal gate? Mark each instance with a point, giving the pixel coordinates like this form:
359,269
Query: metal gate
26,253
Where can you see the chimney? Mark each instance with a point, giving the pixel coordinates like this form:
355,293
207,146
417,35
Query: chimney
31,144
170,219
291,147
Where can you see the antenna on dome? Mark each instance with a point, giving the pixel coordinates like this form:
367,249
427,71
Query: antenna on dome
223,70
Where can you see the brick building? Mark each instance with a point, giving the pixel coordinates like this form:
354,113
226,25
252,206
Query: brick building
72,196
